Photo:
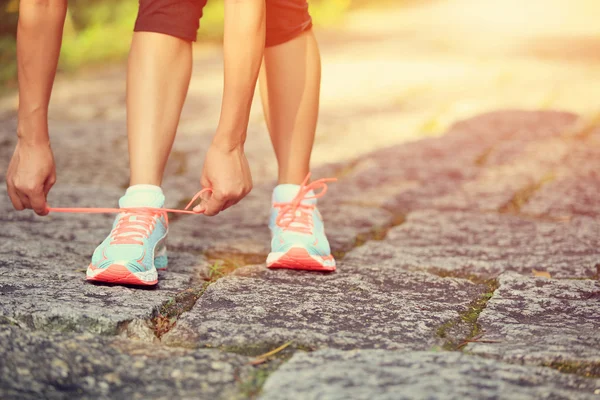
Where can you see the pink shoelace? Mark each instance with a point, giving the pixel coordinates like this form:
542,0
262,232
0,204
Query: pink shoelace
129,230
294,215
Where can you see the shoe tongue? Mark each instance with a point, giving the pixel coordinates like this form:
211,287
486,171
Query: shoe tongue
142,196
287,192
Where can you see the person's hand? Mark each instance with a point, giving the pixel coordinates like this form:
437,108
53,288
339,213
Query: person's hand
30,176
227,173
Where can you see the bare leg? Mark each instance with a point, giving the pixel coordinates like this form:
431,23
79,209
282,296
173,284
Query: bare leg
290,81
158,76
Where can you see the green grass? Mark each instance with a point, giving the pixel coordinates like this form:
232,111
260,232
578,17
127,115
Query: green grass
328,12
106,36
8,53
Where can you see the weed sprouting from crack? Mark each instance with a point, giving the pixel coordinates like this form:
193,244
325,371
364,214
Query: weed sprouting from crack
375,233
522,196
250,386
173,308
224,263
466,326
219,269
379,232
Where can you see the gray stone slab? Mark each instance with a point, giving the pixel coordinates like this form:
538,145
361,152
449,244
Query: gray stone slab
44,287
54,298
67,366
539,320
502,182
502,125
576,187
375,374
480,163
404,177
488,244
362,306
576,194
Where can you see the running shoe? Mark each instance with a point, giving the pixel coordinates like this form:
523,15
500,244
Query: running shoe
136,246
298,233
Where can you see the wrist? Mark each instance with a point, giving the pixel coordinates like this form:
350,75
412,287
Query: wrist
228,140
33,130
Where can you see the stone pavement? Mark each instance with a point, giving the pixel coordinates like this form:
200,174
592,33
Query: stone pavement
468,261
443,244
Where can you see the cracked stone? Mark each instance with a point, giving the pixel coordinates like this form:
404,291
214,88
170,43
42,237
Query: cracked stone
488,244
538,320
63,301
362,306
365,374
576,189
50,365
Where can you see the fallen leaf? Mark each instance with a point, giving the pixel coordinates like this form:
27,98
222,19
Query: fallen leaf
541,274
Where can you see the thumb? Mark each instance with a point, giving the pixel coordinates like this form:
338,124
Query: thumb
38,202
214,205
204,199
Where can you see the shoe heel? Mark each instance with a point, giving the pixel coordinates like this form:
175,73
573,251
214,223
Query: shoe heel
161,260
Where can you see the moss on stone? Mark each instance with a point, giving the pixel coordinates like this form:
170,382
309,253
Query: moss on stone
460,331
587,369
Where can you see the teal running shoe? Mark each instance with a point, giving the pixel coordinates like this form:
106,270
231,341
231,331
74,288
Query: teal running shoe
136,246
297,228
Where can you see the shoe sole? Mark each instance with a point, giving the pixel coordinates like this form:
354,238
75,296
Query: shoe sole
117,273
298,258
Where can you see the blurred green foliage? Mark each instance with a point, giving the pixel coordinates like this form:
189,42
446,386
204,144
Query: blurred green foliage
100,30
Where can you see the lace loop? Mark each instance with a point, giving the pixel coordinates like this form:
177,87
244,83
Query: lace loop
294,212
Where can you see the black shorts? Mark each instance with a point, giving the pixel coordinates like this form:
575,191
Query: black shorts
286,19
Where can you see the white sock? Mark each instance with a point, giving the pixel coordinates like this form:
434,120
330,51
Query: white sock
286,192
143,196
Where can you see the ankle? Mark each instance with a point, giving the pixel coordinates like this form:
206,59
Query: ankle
294,178
143,195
